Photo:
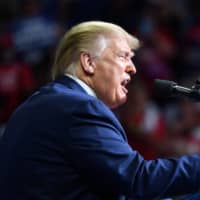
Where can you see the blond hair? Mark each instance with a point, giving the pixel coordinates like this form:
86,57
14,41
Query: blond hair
88,37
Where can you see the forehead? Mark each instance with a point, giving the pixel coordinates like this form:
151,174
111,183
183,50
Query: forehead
119,43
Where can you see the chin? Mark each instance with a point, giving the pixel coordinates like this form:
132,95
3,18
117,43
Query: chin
123,100
118,103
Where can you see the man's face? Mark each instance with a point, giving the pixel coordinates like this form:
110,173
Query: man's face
112,72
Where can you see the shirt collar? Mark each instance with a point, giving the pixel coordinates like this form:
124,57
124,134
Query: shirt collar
88,89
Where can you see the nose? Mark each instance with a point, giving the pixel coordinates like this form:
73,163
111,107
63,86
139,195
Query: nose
131,69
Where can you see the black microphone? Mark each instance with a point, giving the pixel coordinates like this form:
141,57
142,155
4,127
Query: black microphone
172,89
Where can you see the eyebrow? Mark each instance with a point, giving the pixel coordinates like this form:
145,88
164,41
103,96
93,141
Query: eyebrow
128,53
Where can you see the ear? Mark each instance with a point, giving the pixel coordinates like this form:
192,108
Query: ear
87,63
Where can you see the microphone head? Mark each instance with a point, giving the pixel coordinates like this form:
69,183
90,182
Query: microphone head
163,88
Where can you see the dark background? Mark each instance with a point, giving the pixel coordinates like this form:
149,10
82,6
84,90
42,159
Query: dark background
169,31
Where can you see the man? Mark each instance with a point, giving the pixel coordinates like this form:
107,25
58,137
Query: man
64,142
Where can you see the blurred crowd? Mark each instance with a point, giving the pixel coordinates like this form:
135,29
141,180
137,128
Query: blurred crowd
169,31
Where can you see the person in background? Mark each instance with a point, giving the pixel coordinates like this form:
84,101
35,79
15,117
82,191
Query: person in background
183,126
34,36
64,142
16,82
144,123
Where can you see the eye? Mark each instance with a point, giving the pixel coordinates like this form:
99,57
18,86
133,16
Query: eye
125,56
122,57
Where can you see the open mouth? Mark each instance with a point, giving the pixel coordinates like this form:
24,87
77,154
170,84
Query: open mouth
124,84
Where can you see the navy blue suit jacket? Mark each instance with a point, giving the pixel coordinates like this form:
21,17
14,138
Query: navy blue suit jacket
63,144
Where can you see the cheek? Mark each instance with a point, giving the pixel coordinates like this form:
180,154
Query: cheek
114,85
109,78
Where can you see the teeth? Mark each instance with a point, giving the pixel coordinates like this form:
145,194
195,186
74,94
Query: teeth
125,82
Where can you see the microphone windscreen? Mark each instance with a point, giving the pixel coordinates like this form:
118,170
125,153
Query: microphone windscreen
163,88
